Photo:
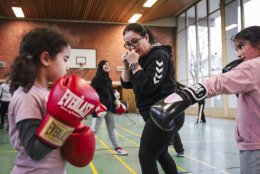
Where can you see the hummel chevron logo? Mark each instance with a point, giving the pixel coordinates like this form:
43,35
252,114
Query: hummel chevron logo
159,70
158,76
159,63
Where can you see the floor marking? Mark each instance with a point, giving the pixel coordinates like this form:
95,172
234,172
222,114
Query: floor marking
93,168
137,145
127,130
9,151
118,158
207,141
182,170
208,165
127,139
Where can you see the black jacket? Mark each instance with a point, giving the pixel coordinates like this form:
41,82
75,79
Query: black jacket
155,81
103,85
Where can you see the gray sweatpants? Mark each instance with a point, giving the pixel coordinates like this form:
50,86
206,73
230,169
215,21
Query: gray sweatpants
110,123
250,162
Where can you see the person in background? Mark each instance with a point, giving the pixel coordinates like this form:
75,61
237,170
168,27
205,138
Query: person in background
5,99
103,85
149,71
176,139
118,97
177,145
201,116
116,94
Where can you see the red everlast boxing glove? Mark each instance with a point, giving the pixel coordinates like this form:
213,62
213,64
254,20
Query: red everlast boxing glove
120,108
79,148
71,99
101,110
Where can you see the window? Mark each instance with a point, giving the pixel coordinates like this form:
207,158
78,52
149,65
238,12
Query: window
181,22
203,63
190,16
228,1
201,9
181,59
215,52
251,11
213,5
192,58
215,43
200,41
233,26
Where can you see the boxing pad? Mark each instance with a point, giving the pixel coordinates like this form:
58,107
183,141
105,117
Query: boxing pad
231,65
79,148
120,108
71,99
101,110
166,110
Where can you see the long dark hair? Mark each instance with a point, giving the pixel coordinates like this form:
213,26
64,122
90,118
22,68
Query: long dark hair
141,29
251,34
26,65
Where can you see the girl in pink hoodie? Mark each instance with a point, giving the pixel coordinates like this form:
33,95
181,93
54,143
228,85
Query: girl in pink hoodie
244,80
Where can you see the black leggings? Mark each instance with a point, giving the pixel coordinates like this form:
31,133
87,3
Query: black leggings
154,147
3,111
176,139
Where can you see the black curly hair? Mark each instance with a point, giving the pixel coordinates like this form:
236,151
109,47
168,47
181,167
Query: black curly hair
26,65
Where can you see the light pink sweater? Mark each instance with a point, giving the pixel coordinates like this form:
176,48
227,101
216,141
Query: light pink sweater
245,80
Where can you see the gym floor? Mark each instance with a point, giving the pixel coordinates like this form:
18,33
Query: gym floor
210,148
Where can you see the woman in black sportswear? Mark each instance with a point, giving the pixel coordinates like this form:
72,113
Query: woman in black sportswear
149,71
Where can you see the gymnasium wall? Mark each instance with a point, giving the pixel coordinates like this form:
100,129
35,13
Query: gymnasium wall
107,39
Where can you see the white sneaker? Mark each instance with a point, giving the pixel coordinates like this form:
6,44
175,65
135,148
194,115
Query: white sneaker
121,151
180,154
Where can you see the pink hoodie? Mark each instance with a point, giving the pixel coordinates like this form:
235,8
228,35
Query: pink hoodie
245,80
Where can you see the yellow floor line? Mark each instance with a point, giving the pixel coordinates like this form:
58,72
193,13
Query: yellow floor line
118,158
127,130
137,145
9,151
93,168
179,168
127,139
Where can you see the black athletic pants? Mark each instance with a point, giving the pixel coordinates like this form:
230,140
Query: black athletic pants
154,147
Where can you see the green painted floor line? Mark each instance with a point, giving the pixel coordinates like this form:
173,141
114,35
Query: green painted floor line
116,156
